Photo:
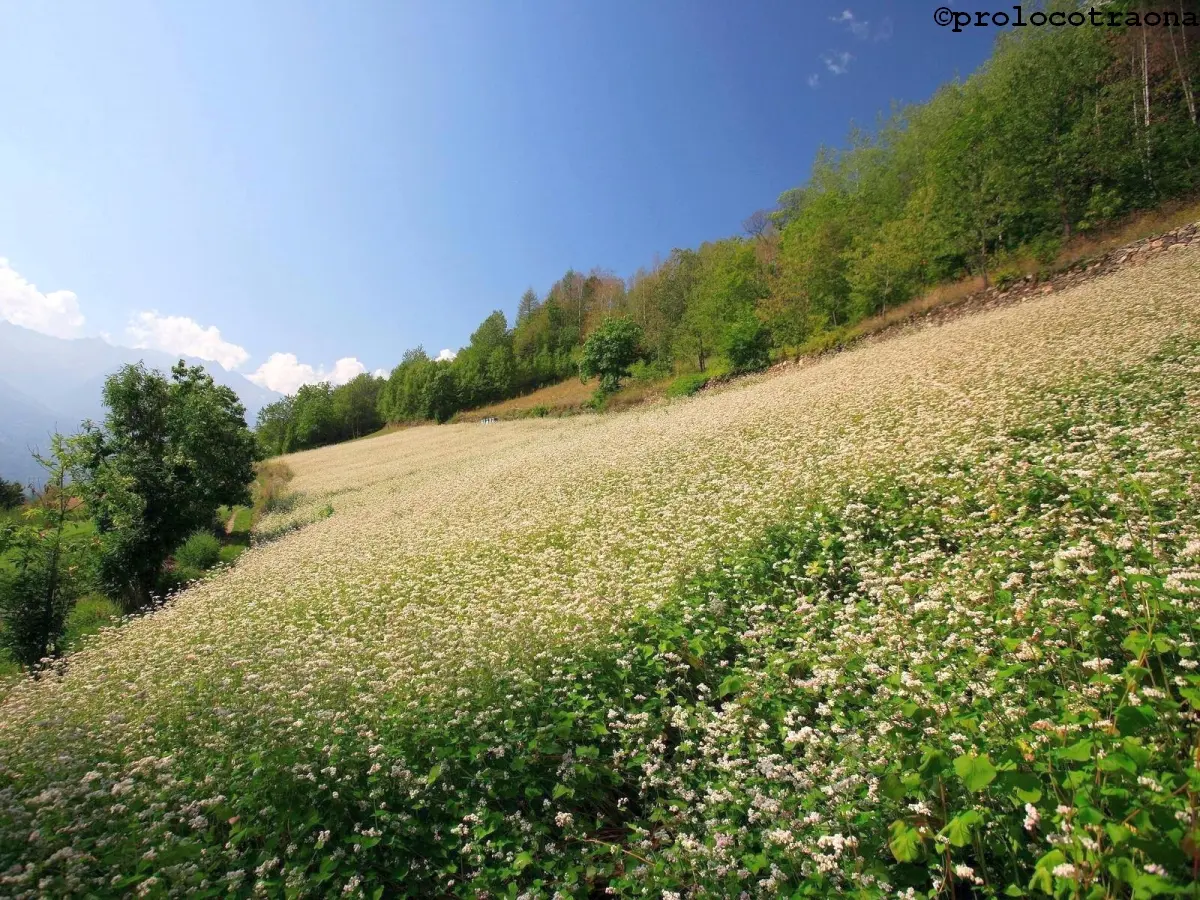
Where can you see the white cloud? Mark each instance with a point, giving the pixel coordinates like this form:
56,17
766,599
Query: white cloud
379,373
813,80
56,313
283,372
861,28
837,62
179,334
446,355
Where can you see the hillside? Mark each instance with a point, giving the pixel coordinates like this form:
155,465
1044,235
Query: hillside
839,629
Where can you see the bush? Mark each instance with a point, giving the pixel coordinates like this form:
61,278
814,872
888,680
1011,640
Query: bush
201,551
656,370
230,552
12,494
686,385
747,344
35,599
1007,277
90,614
177,579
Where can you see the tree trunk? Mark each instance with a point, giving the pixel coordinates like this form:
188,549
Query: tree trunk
1184,80
1146,83
983,258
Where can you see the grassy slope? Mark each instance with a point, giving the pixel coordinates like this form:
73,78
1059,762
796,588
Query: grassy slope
401,650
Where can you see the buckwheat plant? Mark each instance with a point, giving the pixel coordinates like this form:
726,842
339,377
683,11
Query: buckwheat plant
915,621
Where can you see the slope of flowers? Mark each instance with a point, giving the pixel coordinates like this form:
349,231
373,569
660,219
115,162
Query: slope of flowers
413,695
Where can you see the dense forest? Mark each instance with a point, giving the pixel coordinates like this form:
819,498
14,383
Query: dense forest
1063,131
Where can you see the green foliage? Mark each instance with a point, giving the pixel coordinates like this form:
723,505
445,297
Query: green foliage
230,552
169,453
321,414
686,385
610,351
12,494
1007,277
974,678
747,345
200,551
90,613
38,590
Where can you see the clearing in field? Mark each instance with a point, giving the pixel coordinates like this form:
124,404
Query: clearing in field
509,659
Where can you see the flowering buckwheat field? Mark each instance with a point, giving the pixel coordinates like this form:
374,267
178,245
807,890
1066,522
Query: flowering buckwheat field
915,620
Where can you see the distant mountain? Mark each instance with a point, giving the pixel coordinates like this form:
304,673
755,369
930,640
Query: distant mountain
50,384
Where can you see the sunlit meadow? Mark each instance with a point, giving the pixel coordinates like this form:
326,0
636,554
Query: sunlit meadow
846,629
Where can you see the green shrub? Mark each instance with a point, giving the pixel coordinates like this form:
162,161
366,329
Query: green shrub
655,370
230,553
91,613
1006,277
1046,248
686,385
747,345
824,342
201,551
176,579
36,595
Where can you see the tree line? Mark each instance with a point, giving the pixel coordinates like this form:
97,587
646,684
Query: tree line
1062,131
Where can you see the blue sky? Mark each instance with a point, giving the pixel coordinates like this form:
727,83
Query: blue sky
341,181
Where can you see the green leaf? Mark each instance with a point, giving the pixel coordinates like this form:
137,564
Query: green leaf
933,761
1135,642
1078,752
976,772
959,829
434,773
1118,834
1115,762
1123,870
1042,879
892,787
732,684
522,860
755,862
1132,719
904,841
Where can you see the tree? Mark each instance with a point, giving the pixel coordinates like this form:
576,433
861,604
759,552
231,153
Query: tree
354,405
12,494
37,592
528,305
315,420
747,344
276,427
170,451
610,351
442,397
